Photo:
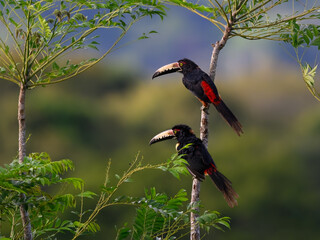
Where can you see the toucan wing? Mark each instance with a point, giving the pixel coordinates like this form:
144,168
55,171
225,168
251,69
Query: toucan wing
199,160
210,89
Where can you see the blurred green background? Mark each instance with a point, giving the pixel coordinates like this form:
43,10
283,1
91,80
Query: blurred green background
114,109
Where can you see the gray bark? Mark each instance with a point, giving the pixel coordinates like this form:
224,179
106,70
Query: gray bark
22,153
204,133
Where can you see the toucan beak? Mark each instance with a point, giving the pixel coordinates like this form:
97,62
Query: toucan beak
169,68
168,134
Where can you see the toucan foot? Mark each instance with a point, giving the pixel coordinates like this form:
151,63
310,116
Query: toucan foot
205,108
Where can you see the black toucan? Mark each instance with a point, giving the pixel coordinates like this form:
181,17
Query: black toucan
200,162
201,85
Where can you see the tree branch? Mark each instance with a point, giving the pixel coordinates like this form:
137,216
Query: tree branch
195,198
216,49
204,131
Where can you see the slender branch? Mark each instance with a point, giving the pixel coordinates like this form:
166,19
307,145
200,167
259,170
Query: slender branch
10,79
11,33
10,58
216,23
261,11
104,199
230,8
223,13
254,9
242,4
26,55
213,5
80,38
204,130
85,67
216,49
283,21
195,198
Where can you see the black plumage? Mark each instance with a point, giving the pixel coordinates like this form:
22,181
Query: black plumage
201,85
200,162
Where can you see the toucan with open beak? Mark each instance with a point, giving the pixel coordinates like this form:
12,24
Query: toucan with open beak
201,85
200,162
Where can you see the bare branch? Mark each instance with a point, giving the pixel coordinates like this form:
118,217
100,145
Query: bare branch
256,8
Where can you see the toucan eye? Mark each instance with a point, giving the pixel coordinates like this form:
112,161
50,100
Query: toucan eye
181,64
176,131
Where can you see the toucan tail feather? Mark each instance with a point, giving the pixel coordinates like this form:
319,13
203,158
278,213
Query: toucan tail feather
229,117
224,185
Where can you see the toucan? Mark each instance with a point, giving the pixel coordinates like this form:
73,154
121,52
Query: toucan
200,162
201,85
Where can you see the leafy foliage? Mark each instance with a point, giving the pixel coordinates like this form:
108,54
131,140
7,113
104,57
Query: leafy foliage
249,19
161,217
305,37
157,215
108,191
176,165
308,74
38,33
31,178
261,19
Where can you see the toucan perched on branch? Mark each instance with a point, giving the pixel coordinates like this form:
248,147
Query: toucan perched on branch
201,85
200,162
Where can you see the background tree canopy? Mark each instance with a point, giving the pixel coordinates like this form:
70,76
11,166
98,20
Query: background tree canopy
273,166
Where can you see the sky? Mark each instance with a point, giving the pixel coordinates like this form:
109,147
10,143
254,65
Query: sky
184,34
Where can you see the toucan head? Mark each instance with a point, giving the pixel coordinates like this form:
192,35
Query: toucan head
184,65
178,131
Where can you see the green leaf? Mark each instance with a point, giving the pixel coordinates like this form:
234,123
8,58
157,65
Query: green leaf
316,42
315,30
13,22
79,17
87,194
93,47
123,232
55,66
44,27
309,33
306,39
93,227
108,189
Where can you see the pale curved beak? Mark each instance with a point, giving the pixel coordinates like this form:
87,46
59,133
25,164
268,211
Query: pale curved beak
169,68
168,134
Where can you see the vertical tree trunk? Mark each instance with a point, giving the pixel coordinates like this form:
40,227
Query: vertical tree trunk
204,133
22,153
22,123
195,197
195,193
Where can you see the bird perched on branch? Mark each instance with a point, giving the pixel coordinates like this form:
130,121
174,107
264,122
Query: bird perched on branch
200,162
201,85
